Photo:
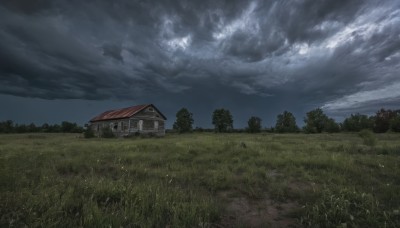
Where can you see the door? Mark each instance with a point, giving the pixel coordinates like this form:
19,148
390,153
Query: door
156,125
140,125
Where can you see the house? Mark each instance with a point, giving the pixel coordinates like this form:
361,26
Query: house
143,119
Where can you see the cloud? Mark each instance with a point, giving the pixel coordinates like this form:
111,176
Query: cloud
113,51
330,53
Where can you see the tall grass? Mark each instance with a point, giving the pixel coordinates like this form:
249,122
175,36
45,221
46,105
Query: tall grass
63,180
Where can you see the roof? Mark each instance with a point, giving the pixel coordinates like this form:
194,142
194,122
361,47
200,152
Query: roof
123,113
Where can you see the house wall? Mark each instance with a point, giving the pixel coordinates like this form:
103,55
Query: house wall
123,127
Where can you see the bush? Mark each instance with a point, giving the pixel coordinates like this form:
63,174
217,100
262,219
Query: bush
395,124
88,133
368,137
107,133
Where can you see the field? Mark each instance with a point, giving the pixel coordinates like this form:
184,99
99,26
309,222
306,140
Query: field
200,180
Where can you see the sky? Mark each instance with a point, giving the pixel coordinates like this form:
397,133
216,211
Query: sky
71,60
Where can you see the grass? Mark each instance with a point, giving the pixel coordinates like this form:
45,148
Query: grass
61,180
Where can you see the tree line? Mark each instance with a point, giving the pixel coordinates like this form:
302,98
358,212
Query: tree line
9,126
316,121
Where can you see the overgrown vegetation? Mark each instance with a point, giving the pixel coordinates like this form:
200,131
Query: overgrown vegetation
184,121
316,121
88,133
106,132
286,123
254,124
222,120
330,180
368,137
9,126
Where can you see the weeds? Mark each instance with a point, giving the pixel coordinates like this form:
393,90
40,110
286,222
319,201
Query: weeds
348,208
368,137
64,181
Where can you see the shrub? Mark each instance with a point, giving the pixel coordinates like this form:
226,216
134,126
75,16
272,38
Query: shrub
88,133
107,133
368,137
395,124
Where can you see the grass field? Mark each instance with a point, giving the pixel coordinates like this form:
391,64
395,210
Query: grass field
200,180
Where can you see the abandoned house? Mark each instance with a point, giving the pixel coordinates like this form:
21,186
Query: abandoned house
142,119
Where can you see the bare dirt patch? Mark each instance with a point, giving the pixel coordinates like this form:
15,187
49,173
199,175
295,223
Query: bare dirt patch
243,212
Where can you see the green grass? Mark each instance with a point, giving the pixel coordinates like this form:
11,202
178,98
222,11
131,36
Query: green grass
61,180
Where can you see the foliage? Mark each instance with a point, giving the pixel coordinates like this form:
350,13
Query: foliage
88,133
184,121
346,208
222,120
254,124
368,137
395,123
331,126
286,122
178,180
357,122
106,132
7,126
315,121
67,127
382,120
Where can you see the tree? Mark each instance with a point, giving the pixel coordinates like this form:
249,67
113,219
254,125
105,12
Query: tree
45,127
67,126
184,121
382,120
331,126
55,128
315,121
32,128
222,120
254,124
286,122
7,126
357,122
395,123
22,128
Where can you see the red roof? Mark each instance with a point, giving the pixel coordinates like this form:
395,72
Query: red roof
122,113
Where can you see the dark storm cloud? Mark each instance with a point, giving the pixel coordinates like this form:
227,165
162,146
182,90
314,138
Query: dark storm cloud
329,53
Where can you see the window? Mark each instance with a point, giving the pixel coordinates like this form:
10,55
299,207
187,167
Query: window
150,109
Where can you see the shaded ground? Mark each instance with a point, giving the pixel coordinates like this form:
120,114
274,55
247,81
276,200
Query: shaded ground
241,211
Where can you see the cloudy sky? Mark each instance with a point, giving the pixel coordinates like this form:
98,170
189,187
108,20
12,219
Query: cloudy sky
71,60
